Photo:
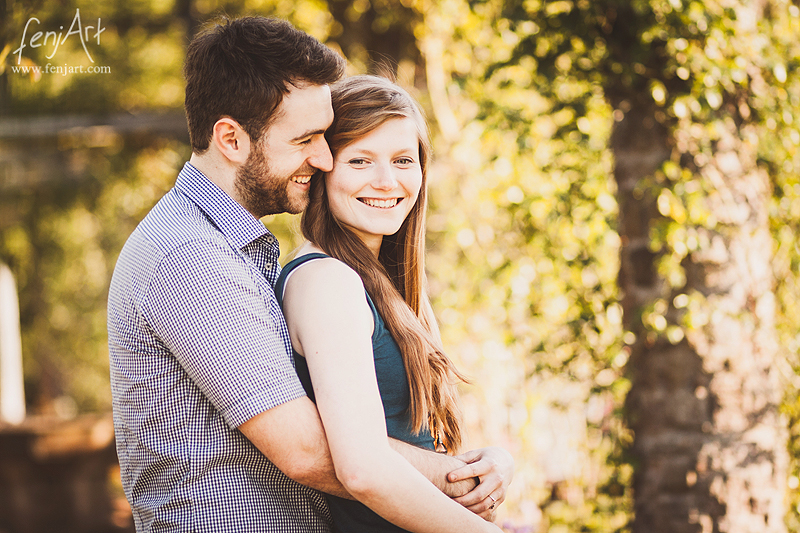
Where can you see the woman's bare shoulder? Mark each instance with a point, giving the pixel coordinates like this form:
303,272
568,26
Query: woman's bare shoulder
322,293
324,281
325,271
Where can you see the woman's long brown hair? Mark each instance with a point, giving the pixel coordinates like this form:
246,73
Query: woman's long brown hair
395,280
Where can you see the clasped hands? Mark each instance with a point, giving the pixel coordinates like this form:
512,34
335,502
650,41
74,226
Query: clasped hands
480,485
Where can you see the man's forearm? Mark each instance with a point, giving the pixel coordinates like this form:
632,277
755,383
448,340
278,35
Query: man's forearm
435,467
291,436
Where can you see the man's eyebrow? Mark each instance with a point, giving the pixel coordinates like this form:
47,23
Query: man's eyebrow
308,134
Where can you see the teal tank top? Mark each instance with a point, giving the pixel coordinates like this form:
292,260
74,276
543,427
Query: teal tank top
352,516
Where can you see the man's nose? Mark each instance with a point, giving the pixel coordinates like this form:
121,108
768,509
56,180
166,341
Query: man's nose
321,157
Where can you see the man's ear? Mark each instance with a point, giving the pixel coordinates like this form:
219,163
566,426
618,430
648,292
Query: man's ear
231,140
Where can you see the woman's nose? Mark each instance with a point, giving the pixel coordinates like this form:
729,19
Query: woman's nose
385,179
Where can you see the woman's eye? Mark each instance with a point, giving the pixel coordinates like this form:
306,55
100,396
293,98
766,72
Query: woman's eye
405,161
357,162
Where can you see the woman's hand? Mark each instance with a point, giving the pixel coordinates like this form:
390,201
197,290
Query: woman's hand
494,468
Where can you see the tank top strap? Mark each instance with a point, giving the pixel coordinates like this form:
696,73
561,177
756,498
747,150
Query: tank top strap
283,277
294,264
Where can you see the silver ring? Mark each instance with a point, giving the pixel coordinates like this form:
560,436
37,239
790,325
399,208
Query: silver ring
494,502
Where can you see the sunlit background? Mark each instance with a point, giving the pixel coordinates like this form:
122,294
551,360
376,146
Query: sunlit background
523,232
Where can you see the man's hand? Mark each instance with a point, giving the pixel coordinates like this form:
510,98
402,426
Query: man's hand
494,468
436,467
459,488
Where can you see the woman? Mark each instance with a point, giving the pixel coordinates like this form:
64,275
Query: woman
360,321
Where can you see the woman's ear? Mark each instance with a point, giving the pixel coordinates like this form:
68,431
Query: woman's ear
231,140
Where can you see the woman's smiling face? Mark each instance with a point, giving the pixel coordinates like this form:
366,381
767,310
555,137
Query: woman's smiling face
376,180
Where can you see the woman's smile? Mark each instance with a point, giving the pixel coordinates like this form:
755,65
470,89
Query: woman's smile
376,180
382,203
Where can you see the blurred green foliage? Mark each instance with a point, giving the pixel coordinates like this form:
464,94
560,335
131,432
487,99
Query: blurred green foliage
543,82
524,259
523,252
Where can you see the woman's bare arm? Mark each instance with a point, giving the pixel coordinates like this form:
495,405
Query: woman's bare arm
331,325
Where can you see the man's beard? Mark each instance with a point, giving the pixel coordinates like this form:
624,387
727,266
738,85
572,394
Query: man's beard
261,192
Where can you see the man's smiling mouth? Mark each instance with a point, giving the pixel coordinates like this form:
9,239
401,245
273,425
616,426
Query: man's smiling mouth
301,179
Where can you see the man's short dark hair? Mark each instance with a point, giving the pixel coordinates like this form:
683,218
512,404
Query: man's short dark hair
241,68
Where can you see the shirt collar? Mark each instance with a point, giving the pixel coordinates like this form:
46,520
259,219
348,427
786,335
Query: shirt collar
228,215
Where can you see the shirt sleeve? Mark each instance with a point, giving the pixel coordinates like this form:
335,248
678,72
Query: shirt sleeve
224,327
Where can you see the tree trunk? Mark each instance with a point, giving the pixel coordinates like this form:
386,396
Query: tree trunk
709,447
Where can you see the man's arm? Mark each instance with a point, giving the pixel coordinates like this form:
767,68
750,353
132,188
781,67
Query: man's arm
292,437
436,467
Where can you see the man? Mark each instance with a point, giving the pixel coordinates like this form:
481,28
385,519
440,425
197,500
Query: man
214,432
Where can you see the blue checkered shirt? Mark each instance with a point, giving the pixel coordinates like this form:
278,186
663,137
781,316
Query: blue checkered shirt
197,346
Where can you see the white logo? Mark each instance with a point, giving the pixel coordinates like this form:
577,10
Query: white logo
56,39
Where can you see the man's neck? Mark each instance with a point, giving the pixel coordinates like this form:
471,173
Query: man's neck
221,174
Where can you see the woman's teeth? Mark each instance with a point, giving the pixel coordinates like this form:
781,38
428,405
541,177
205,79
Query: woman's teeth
384,204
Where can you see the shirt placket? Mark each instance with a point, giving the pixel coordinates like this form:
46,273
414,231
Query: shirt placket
264,253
